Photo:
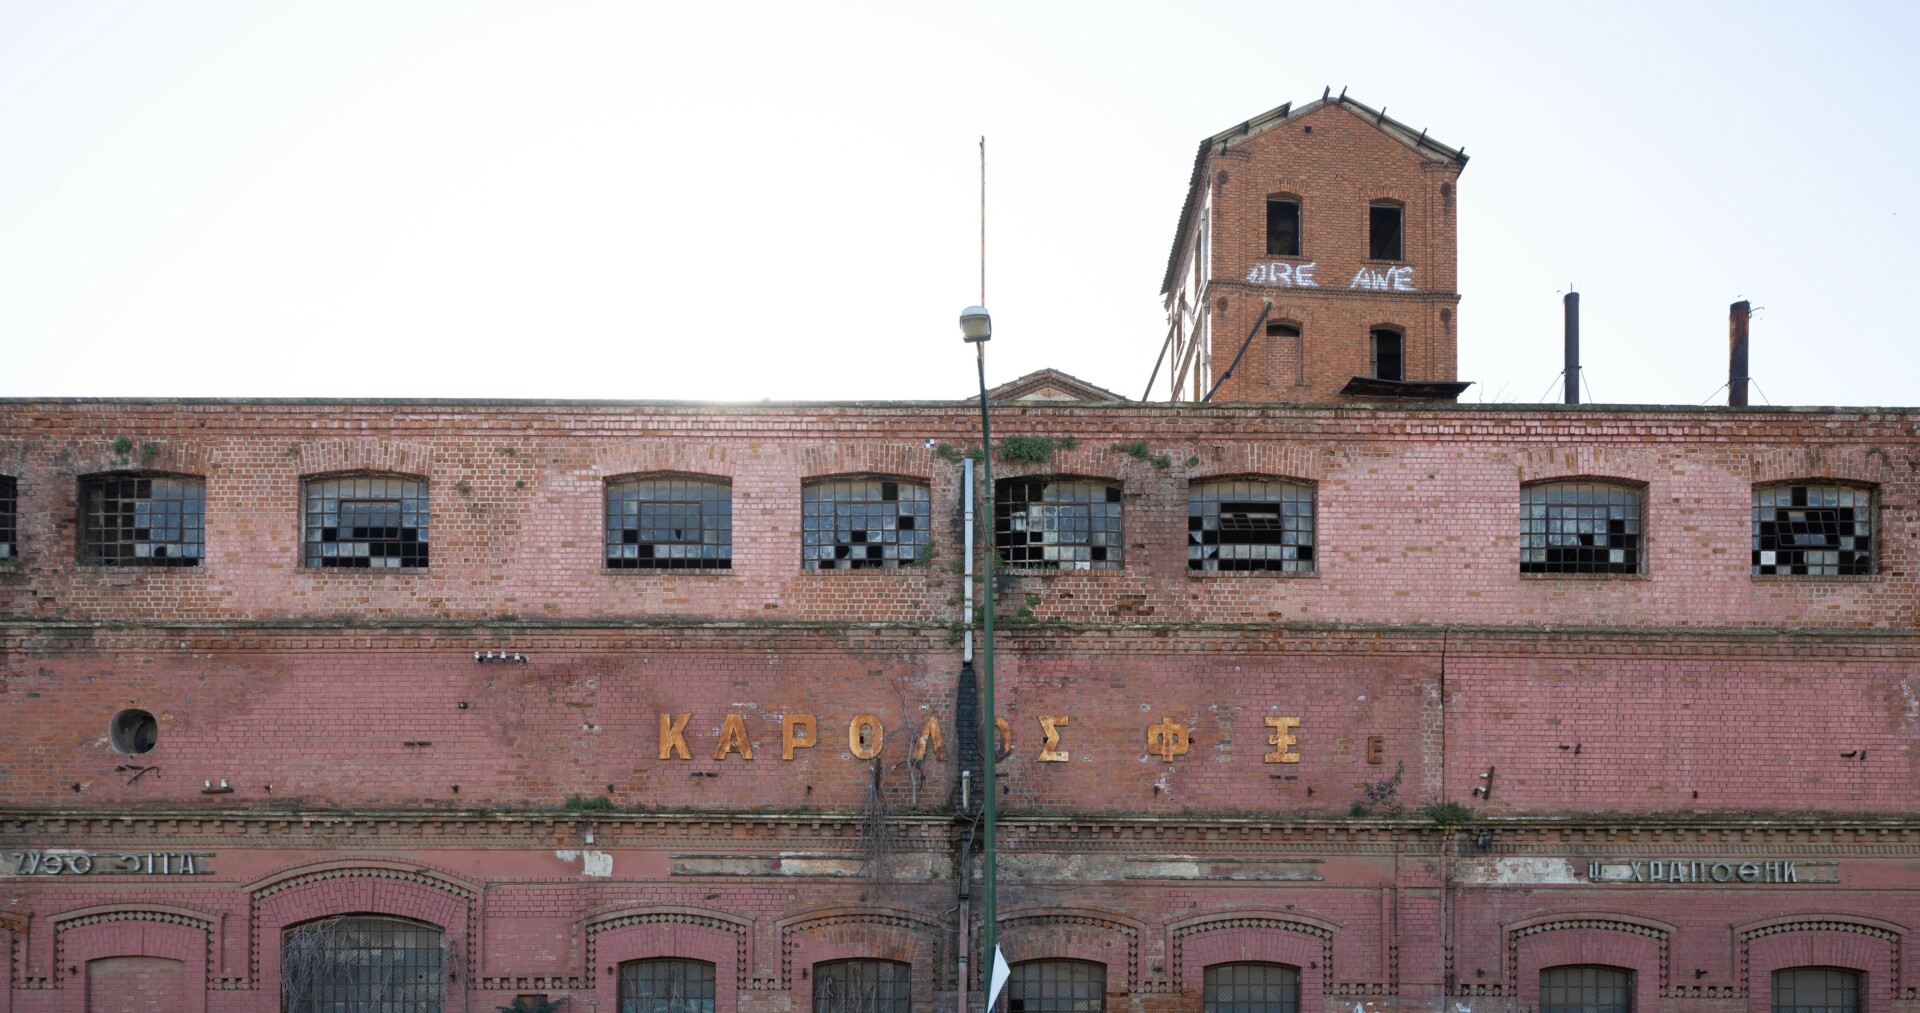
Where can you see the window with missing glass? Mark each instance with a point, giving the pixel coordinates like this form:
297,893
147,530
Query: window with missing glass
864,524
862,986
1063,524
1057,986
9,526
1812,530
366,522
1252,988
1388,350
142,520
1250,525
1816,990
1283,227
1385,226
666,986
1580,527
669,524
363,964
1586,989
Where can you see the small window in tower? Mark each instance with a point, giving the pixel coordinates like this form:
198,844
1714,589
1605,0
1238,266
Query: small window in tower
1283,227
1389,359
9,496
1283,344
1384,229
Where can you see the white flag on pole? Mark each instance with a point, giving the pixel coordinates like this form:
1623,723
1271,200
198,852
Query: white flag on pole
1000,974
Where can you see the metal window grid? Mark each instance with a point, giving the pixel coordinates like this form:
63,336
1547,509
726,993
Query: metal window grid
1057,986
1066,525
862,524
9,526
364,964
1579,527
139,520
669,524
666,986
1586,990
1250,525
1816,990
862,986
1252,988
1812,530
367,522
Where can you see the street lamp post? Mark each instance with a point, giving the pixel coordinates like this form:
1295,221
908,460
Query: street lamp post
976,327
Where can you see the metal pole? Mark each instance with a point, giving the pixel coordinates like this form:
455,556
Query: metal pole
989,929
1572,371
1737,316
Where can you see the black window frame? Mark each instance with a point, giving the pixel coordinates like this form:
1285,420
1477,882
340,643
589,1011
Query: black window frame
1288,508
9,519
1391,246
704,546
1040,986
1856,984
1021,539
1246,995
1278,232
1583,988
697,977
398,499
824,519
377,935
184,509
1376,354
1785,553
892,992
1544,549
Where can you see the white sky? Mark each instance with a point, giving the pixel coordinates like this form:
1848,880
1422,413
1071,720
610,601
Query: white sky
625,200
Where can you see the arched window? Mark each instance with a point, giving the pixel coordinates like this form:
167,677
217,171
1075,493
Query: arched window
669,524
1385,226
1283,226
1057,524
864,523
140,519
1057,986
666,986
862,986
1586,989
1816,990
362,964
1810,529
1388,350
1249,524
1252,988
366,522
1580,527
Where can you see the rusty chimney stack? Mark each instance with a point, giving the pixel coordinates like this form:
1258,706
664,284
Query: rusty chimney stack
1572,304
1737,353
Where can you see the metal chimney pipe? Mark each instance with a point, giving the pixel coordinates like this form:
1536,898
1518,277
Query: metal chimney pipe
1737,353
1572,304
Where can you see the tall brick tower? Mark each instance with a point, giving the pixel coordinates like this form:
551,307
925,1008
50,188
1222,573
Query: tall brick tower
1318,248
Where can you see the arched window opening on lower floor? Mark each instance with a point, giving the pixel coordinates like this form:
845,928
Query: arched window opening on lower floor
363,964
1816,990
1252,988
1057,986
666,986
1586,989
862,986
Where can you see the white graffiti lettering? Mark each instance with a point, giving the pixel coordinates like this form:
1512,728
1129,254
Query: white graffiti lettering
1393,279
1283,275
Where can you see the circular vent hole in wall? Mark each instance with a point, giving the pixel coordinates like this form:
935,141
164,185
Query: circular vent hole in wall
134,731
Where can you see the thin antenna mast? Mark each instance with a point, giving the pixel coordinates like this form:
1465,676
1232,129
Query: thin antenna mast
983,219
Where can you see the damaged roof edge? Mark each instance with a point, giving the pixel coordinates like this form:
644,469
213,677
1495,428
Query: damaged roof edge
1417,140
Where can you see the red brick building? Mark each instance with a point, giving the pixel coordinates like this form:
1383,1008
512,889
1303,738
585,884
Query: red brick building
1348,705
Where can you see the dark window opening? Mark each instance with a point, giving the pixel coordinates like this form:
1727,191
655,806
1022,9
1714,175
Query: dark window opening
139,520
1057,986
666,986
1283,227
1812,530
367,522
134,731
862,986
1389,360
1816,990
362,964
1252,988
1579,527
1384,229
1064,525
1250,525
863,524
669,524
9,502
1586,990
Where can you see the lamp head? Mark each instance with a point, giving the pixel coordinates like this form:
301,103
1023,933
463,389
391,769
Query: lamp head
975,324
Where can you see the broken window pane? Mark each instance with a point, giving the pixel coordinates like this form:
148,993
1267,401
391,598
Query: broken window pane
1057,986
669,524
142,520
666,984
1383,232
1251,988
363,964
859,524
1283,227
1586,990
9,527
1057,524
1812,530
1250,525
862,986
1579,527
367,522
1389,360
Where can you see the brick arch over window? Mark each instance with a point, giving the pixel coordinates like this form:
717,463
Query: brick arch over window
616,937
1842,465
1868,945
666,457
1102,937
868,933
370,887
834,459
337,457
1640,945
169,933
1274,937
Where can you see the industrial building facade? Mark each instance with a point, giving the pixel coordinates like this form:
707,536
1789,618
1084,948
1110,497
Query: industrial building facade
1319,702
